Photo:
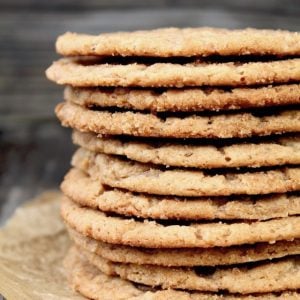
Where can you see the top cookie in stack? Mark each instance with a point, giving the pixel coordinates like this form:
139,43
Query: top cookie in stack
189,159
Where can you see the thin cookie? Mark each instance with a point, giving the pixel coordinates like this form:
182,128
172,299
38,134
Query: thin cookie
273,152
186,257
151,234
264,277
190,99
149,125
166,42
93,284
85,191
145,178
96,72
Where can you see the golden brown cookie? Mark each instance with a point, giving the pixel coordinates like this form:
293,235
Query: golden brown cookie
85,191
153,234
96,72
190,99
263,277
150,179
166,42
186,257
193,126
90,282
266,152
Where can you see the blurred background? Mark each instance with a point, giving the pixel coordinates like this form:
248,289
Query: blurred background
34,150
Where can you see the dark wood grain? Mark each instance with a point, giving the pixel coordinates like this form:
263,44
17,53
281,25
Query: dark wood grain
34,149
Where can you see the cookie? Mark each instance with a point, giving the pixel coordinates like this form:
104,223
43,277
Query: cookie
93,284
271,152
149,125
167,42
261,277
153,234
88,192
190,99
146,178
96,72
187,257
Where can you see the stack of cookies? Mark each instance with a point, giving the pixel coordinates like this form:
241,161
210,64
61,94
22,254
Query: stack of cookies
185,182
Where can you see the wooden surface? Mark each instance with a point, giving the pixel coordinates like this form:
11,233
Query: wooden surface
34,150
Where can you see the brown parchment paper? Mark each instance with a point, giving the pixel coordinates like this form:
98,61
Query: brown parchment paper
32,246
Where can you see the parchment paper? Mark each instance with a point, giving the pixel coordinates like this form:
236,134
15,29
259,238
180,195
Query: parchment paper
32,246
